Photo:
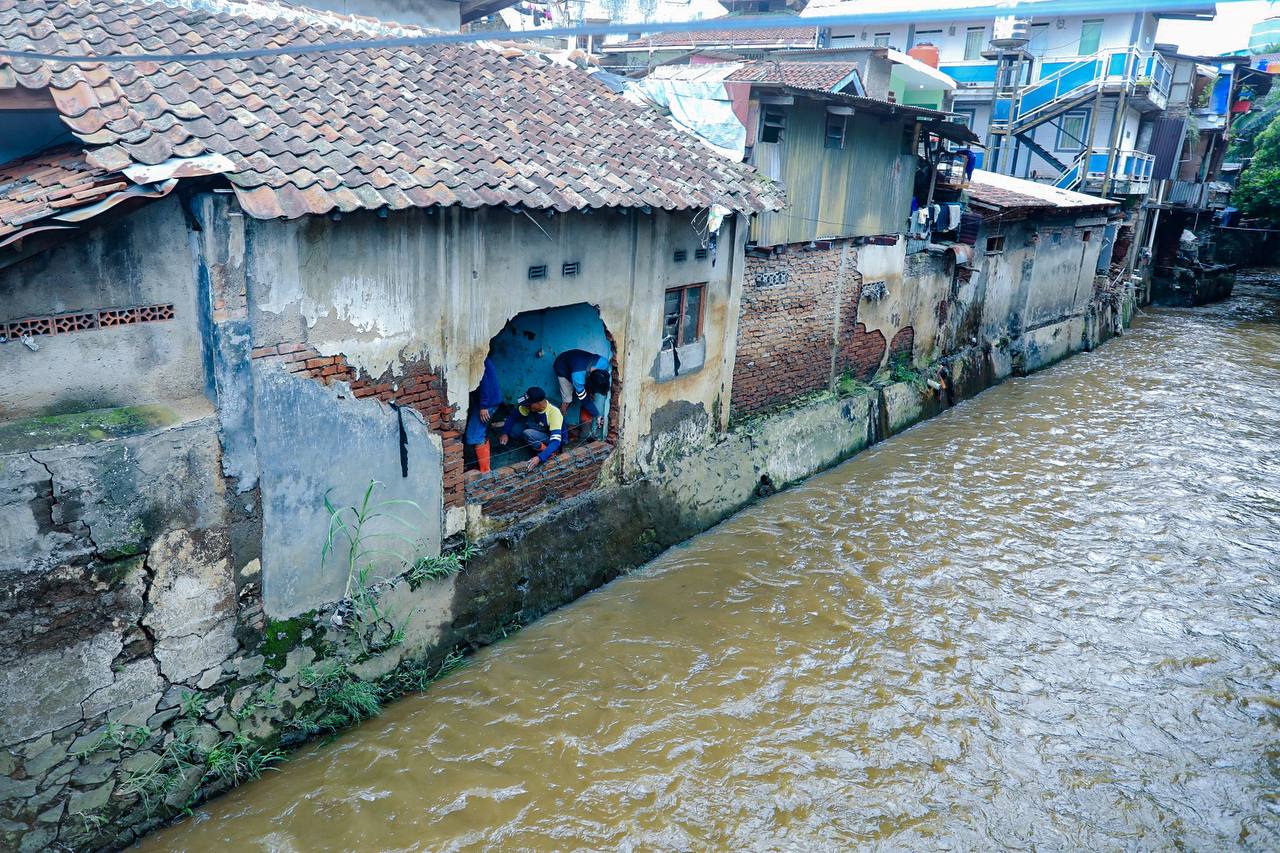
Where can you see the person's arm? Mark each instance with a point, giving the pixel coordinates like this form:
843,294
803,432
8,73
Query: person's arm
490,391
579,380
509,428
555,427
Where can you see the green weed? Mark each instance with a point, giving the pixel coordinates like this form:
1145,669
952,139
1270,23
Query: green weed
445,565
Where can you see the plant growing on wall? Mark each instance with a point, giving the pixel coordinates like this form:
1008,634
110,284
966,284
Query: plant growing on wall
357,536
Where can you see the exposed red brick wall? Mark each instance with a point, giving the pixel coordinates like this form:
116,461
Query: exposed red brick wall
903,344
861,352
419,388
785,327
1120,250
512,490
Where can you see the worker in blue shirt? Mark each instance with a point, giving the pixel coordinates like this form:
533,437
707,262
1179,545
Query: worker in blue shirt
481,403
581,375
538,423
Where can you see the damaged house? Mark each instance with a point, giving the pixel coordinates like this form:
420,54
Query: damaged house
233,290
245,303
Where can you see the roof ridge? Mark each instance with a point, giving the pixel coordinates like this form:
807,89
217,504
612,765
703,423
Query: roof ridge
299,13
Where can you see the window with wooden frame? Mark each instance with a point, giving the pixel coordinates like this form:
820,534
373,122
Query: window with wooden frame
835,131
682,316
995,244
773,122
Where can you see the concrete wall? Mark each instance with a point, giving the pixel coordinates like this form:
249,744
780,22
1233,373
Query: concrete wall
438,287
137,260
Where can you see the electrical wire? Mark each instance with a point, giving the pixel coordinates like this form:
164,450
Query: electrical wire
1036,7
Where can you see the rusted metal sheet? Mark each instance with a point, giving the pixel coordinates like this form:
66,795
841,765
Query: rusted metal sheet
859,190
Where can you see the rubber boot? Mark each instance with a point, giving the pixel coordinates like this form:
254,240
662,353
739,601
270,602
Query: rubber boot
482,457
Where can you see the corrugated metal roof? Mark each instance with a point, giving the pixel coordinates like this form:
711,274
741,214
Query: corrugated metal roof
1167,135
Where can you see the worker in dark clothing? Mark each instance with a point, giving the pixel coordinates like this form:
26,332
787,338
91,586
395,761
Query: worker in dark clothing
481,403
538,423
581,375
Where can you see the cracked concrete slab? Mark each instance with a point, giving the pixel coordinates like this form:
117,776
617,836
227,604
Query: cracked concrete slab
192,603
44,692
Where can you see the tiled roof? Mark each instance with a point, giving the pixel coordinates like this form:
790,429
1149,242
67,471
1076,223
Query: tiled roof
364,128
1002,191
746,37
40,186
816,76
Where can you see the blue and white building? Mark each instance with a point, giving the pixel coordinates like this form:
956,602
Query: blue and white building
1064,99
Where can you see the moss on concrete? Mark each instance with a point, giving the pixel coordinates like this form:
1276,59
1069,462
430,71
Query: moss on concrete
283,636
83,427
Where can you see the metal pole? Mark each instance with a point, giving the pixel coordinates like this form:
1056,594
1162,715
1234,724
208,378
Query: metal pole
1117,127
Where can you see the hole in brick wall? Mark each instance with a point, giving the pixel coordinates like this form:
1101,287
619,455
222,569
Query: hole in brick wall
525,354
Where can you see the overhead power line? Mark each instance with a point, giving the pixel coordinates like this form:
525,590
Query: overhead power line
1038,8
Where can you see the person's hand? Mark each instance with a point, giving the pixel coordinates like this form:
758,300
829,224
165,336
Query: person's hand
533,463
484,416
503,441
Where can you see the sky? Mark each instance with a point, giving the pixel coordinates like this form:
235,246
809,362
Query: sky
1228,32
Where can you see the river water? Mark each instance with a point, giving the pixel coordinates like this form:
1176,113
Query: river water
1049,619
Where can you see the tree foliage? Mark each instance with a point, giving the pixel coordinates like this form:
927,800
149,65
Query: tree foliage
1258,194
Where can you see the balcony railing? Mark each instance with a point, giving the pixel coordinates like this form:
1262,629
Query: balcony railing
1130,171
1121,68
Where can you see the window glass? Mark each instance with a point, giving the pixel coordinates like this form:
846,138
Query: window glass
692,315
974,41
928,36
671,319
881,40
1071,131
1090,37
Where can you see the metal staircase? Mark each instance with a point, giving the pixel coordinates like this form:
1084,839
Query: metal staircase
1019,110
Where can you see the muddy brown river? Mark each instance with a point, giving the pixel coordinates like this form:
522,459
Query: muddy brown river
1048,619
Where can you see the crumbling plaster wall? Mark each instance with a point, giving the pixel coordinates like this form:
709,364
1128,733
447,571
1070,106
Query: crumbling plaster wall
438,286
134,261
914,285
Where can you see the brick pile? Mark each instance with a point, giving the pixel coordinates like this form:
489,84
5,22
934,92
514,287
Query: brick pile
512,490
419,388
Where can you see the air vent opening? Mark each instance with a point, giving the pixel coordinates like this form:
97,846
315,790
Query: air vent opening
537,272
569,268
700,254
680,256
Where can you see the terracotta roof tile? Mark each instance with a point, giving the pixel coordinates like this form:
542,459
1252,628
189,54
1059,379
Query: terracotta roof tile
816,76
35,187
320,130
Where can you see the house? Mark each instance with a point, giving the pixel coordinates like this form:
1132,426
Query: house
1065,99
853,169
234,293
1043,260
739,35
